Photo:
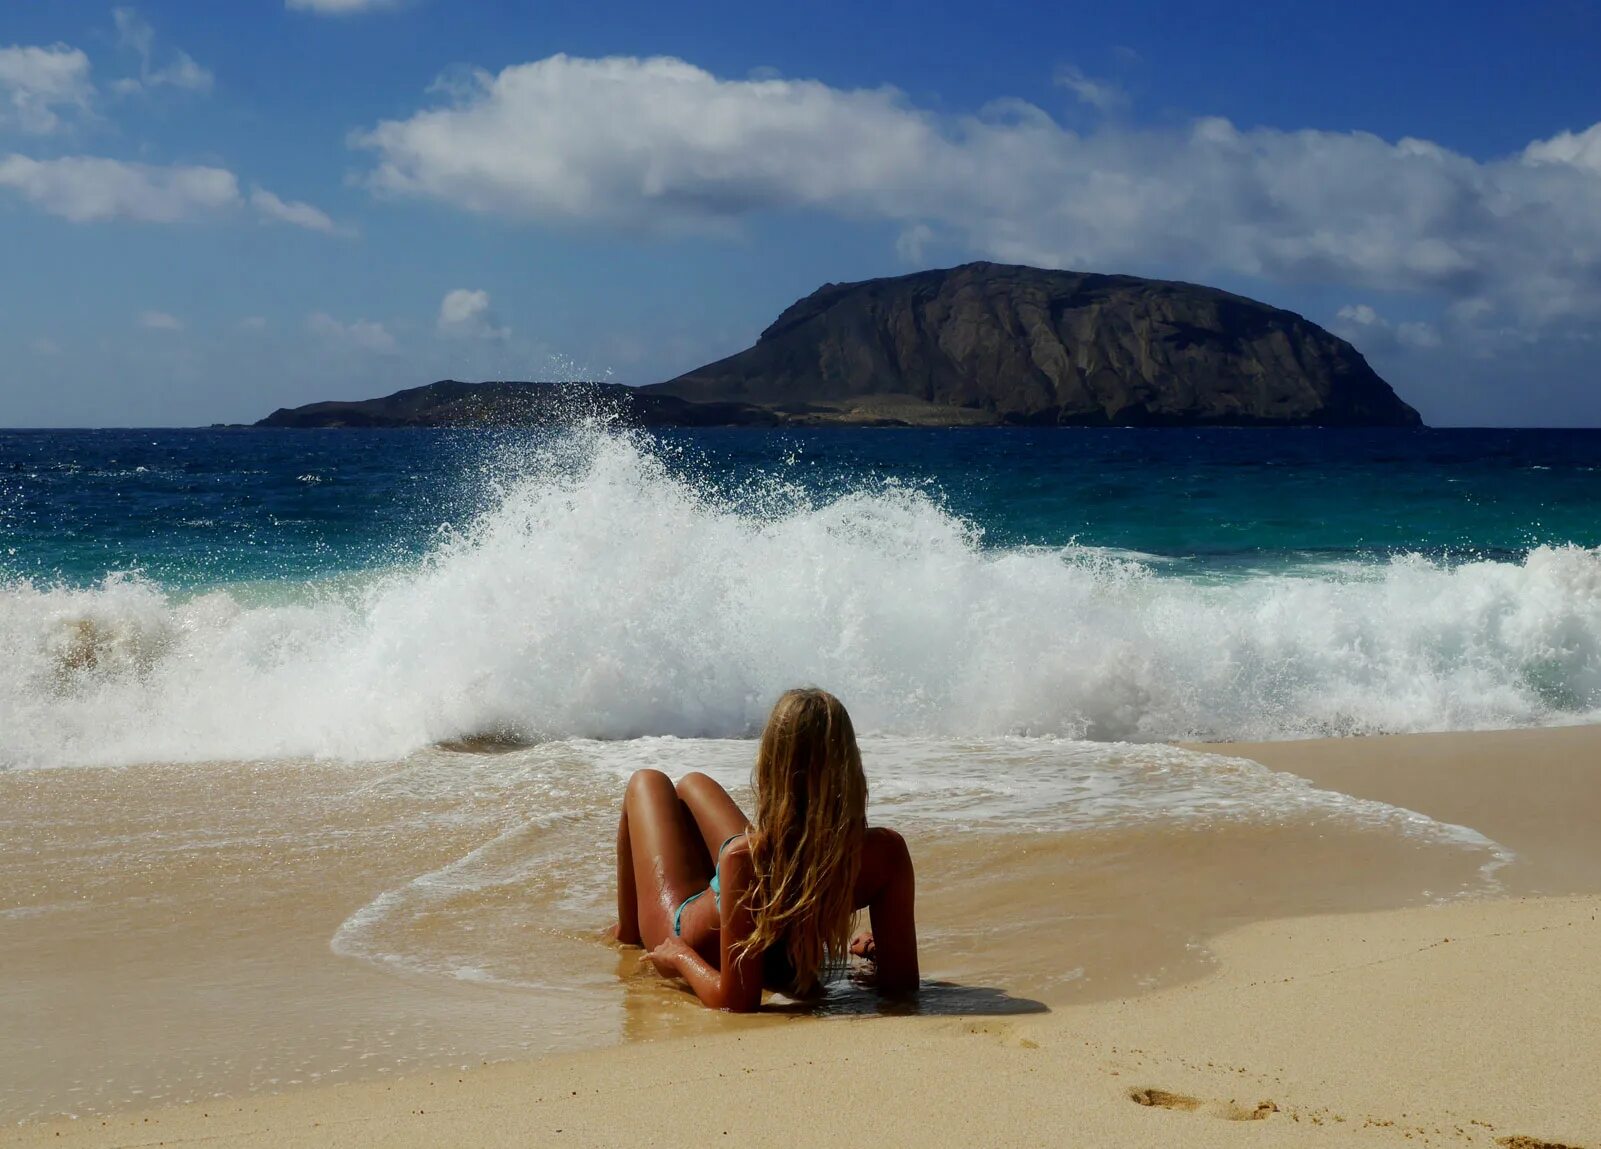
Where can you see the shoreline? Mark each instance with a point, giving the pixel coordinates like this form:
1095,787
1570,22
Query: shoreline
1274,965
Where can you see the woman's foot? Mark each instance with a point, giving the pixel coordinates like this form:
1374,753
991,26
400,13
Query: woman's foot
614,933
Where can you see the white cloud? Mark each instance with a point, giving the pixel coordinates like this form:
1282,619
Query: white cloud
1102,95
87,189
292,212
253,323
912,241
644,142
659,144
47,348
340,7
37,84
160,321
363,333
466,314
1581,150
136,35
1362,325
1422,335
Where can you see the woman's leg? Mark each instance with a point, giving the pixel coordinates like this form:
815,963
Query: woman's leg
627,928
660,858
716,815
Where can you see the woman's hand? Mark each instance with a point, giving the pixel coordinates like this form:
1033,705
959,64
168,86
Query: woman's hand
664,958
863,946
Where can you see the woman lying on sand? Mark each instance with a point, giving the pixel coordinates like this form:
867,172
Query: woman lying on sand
733,906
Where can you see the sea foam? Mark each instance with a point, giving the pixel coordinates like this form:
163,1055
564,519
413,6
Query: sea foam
603,592
551,811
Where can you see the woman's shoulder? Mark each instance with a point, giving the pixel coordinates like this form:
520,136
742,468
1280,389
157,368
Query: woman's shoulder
883,838
886,863
883,848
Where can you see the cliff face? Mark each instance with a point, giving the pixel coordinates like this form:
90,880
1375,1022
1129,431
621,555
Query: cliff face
987,343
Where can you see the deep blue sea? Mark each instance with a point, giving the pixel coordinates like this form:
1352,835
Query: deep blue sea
253,593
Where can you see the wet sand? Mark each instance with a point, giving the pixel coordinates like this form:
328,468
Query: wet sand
1149,988
1538,792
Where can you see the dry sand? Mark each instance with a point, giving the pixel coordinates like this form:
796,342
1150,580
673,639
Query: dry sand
1476,1022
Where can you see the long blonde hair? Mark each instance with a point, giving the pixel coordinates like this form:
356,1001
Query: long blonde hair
806,849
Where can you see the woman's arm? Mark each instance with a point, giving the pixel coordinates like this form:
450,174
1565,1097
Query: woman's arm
737,985
892,910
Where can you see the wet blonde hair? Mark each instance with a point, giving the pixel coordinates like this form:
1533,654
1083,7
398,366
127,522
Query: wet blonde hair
806,850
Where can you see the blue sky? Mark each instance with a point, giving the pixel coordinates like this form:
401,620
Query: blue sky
208,211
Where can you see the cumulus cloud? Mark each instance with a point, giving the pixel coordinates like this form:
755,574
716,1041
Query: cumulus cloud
643,142
364,334
1367,329
1581,150
912,242
340,7
160,321
86,189
1102,95
181,71
1359,315
660,144
90,189
293,212
38,84
465,314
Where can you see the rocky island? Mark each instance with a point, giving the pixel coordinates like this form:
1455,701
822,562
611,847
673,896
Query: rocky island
981,344
452,403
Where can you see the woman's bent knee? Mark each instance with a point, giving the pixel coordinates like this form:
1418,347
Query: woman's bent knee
647,780
693,781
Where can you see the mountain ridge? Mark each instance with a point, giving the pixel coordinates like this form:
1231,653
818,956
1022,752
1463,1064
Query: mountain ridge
1034,346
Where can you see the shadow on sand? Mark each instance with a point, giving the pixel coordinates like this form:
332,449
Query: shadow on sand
852,995
856,998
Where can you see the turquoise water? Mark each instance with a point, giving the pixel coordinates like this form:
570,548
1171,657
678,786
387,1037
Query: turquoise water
176,594
197,508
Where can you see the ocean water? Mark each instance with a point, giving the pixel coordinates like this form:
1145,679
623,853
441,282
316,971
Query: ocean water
192,595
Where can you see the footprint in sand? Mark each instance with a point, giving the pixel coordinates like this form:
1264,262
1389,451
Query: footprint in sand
1227,1110
1531,1143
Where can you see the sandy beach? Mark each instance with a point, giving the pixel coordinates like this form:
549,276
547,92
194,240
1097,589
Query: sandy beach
1268,1003
1043,560
1468,1025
